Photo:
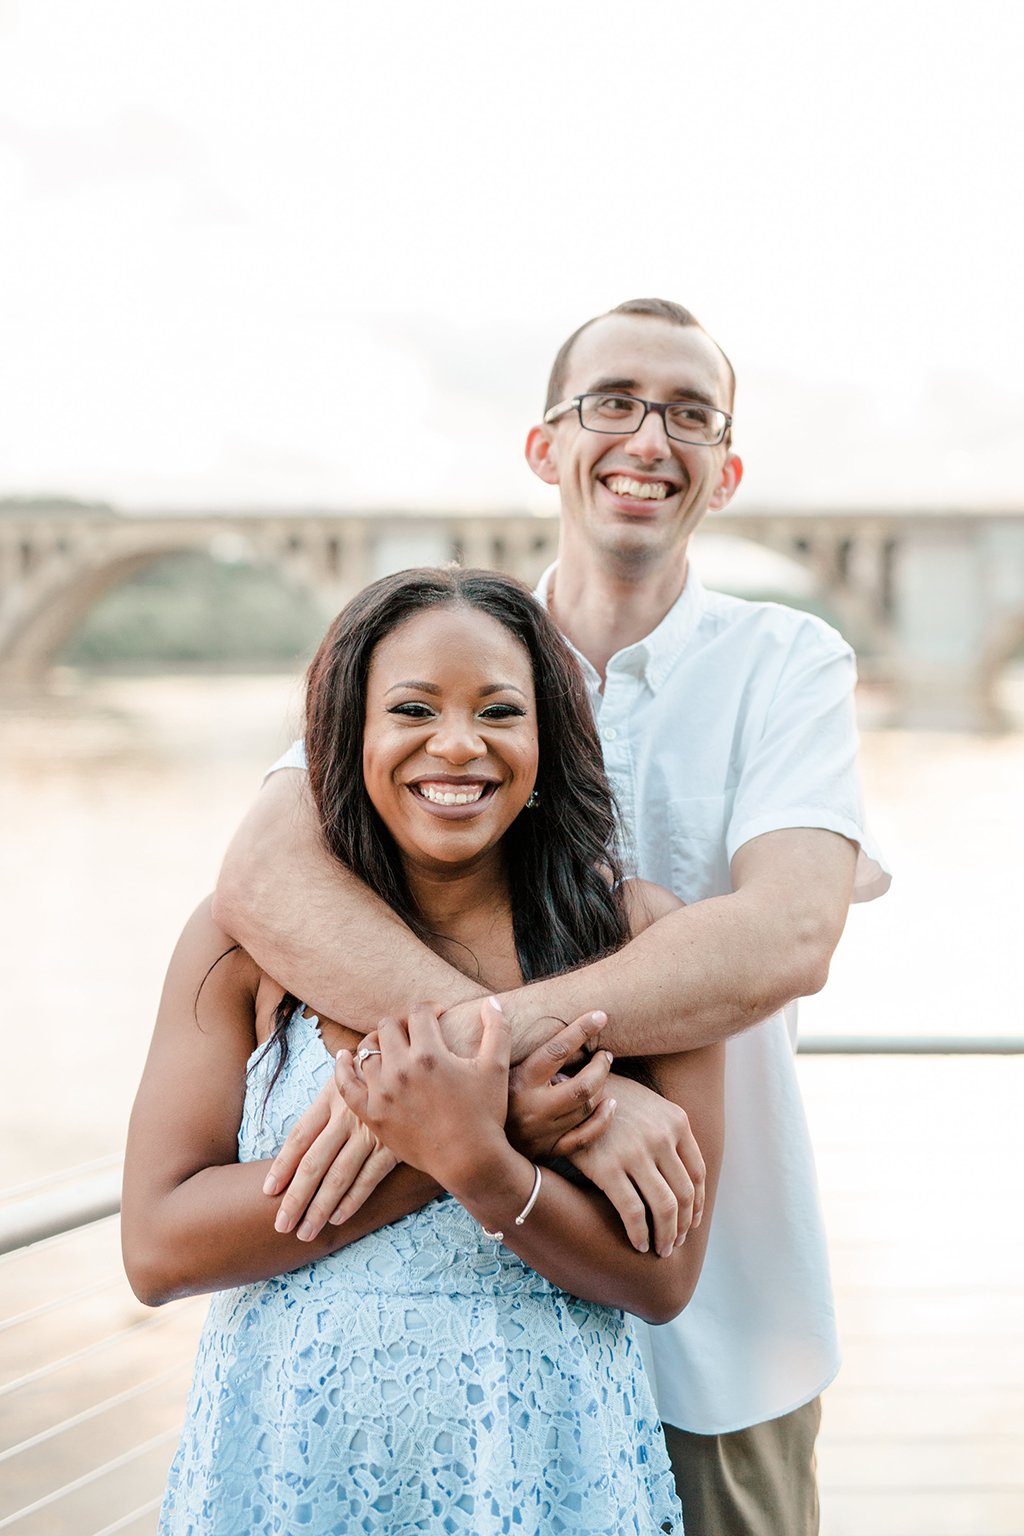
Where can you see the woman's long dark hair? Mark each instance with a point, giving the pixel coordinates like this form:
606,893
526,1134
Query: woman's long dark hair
560,857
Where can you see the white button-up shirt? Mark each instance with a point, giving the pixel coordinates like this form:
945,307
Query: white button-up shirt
729,720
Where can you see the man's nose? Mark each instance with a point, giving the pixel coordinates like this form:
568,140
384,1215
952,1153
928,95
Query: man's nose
650,441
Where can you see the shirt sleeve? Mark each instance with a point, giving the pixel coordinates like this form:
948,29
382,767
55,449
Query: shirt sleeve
295,757
801,770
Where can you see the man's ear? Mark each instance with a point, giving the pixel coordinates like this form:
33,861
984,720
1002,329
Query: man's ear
540,455
732,474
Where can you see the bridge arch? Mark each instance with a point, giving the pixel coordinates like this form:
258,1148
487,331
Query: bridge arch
54,568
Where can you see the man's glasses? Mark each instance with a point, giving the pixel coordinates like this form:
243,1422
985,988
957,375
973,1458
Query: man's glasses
685,420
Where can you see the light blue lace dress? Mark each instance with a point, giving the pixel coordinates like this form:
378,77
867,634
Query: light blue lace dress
421,1380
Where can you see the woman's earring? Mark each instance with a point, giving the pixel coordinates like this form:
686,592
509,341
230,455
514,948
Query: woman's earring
532,799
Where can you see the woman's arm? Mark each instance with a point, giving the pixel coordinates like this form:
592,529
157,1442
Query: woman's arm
653,1173
193,1218
575,1237
445,1114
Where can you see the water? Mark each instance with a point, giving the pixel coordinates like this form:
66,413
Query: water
116,808
118,800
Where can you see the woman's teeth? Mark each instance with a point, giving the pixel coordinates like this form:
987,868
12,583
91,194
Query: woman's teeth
444,794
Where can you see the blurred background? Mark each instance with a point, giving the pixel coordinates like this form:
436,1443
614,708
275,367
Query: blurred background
280,286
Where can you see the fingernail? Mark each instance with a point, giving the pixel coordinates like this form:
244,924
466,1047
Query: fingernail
599,1018
335,1217
666,1253
611,1058
644,1247
270,1185
305,1232
680,1240
282,1222
339,1054
495,1004
613,1105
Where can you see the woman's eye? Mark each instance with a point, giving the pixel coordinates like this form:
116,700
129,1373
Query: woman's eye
501,712
412,711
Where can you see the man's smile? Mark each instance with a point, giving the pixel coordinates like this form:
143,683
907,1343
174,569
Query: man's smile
638,490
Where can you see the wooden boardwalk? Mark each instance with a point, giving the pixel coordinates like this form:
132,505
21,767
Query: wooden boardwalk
922,1172
921,1162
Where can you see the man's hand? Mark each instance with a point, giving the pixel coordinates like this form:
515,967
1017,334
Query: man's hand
329,1165
647,1162
551,1114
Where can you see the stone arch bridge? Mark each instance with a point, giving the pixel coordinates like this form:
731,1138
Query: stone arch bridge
935,599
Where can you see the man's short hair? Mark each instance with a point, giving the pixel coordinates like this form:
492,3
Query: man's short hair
660,309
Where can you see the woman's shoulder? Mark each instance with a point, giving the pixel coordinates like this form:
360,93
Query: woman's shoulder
645,903
204,949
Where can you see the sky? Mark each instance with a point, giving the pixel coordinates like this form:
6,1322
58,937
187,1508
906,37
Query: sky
307,253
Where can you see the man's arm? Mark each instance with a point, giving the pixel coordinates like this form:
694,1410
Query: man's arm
694,977
709,970
316,928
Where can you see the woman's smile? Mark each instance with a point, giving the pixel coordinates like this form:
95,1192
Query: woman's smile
452,796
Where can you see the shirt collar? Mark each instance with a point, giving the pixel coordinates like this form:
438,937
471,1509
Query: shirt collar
653,657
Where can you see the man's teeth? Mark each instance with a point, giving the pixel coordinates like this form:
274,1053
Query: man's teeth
641,490
444,794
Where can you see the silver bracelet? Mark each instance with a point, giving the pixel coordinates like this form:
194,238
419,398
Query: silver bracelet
534,1192
499,1237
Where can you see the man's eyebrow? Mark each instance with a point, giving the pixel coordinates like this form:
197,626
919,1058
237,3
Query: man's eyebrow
432,688
683,392
610,383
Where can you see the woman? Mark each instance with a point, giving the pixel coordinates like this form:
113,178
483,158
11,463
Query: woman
439,1374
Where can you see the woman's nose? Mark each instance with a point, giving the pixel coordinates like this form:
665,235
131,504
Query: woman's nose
457,741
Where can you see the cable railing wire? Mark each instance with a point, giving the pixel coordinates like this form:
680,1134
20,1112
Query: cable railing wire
122,1524
95,1411
82,1294
145,1325
125,1459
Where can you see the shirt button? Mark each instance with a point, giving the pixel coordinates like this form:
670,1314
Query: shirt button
610,734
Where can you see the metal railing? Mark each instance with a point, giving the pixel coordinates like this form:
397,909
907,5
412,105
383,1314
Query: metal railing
55,1206
910,1045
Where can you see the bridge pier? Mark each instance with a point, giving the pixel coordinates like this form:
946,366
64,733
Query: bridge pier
958,600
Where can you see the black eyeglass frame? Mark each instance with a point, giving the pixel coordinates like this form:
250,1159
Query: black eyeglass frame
659,407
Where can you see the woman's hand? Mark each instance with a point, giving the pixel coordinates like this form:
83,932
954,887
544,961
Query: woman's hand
648,1164
329,1165
552,1114
437,1111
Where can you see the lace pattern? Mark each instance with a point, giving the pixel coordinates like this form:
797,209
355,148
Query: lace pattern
422,1380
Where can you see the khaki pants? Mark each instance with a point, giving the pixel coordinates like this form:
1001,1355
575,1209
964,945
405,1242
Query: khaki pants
753,1482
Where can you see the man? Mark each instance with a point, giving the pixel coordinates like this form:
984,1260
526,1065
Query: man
729,739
